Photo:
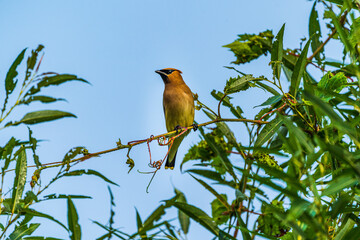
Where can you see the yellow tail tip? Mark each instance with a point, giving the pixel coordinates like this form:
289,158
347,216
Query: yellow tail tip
171,168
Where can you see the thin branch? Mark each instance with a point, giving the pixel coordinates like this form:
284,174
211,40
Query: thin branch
134,143
222,98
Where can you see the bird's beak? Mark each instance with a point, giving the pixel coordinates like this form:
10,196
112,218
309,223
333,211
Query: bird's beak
160,73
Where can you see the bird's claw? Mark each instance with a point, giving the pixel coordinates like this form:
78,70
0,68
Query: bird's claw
177,128
195,127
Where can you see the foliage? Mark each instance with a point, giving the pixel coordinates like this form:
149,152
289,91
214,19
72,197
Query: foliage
306,152
17,204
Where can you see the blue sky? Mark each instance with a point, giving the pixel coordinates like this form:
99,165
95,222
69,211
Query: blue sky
117,45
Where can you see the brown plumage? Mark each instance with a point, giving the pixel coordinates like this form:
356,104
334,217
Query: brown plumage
178,104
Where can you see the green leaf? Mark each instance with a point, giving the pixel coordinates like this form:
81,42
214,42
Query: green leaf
240,83
266,88
223,157
299,70
6,152
218,209
33,145
331,83
250,46
59,79
183,218
35,213
23,230
271,100
277,52
54,80
41,238
139,223
342,33
237,111
239,195
73,221
216,194
10,82
42,116
344,229
72,153
66,196
335,118
32,61
42,99
224,129
20,178
213,175
315,32
88,172
268,131
113,231
339,184
199,216
156,215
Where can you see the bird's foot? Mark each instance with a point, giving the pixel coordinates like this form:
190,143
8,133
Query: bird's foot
195,127
177,129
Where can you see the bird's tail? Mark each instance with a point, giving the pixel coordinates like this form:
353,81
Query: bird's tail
170,163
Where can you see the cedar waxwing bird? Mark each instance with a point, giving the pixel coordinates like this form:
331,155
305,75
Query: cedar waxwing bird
178,103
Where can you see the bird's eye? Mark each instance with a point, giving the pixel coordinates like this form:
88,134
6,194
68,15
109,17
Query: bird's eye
169,71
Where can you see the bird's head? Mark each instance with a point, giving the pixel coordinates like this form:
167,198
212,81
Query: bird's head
170,75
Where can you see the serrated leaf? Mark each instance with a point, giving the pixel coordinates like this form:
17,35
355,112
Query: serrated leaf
73,221
199,216
268,131
42,116
20,178
277,52
240,83
88,172
299,70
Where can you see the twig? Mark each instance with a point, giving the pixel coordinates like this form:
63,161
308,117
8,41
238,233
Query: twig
134,143
222,98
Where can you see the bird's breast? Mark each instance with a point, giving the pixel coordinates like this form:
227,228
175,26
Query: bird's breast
178,107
